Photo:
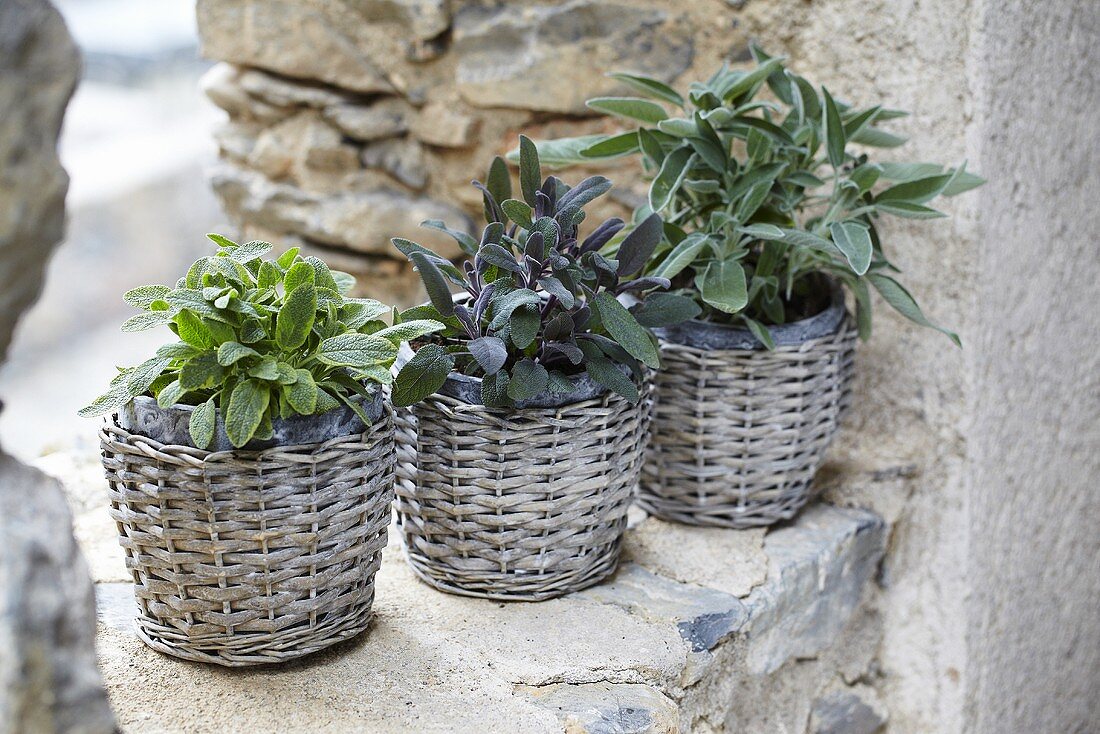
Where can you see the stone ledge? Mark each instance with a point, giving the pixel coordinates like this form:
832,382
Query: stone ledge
645,651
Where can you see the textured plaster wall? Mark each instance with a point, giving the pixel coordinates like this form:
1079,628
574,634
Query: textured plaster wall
904,449
1034,562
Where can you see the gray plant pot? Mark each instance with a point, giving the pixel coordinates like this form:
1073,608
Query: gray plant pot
143,416
707,335
468,389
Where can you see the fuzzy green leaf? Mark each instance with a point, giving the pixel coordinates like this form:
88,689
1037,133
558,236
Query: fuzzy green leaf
357,350
406,331
144,296
651,88
625,329
423,375
630,108
668,179
434,283
202,423
296,317
170,394
854,241
529,378
666,309
834,131
605,373
902,301
146,320
230,353
302,394
722,286
246,410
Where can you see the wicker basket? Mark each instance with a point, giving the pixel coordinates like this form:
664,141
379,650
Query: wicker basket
249,557
738,434
522,505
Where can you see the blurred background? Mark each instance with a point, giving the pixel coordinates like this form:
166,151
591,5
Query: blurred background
136,141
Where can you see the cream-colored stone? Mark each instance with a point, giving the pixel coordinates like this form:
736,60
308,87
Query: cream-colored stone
687,554
441,124
380,119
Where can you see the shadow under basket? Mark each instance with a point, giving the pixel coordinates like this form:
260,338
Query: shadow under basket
251,557
522,504
738,434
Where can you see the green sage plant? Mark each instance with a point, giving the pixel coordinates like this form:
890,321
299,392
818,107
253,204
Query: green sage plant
764,194
542,305
258,339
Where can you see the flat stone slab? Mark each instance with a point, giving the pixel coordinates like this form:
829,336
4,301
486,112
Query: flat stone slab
663,645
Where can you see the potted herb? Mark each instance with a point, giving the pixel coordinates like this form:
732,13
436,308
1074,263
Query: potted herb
250,462
771,210
517,463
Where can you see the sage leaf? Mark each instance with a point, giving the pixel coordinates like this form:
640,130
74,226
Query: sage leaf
651,88
302,393
668,179
605,373
356,350
407,331
529,378
722,286
903,302
229,353
296,317
854,241
834,131
666,309
434,283
490,352
638,246
625,329
247,405
423,375
201,424
530,174
630,108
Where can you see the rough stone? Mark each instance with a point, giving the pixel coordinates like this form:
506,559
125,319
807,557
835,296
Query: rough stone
847,711
280,92
39,67
440,124
385,118
359,221
401,158
790,616
683,553
552,57
221,85
49,681
606,708
425,19
312,39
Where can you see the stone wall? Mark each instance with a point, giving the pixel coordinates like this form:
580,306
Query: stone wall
351,121
49,681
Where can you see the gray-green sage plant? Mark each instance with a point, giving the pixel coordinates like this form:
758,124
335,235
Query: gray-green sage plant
542,305
762,195
258,339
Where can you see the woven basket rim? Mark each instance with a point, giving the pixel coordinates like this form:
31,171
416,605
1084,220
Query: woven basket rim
457,384
708,335
111,424
297,430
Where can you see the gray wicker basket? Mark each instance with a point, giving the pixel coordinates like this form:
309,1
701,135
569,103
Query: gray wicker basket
250,557
517,505
738,433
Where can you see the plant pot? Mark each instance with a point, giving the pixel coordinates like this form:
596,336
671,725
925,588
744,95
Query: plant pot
739,431
519,504
259,555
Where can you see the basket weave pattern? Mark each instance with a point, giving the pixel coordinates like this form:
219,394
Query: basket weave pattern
739,434
241,558
517,505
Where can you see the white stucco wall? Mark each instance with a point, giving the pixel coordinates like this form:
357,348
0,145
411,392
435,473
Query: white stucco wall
1034,562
